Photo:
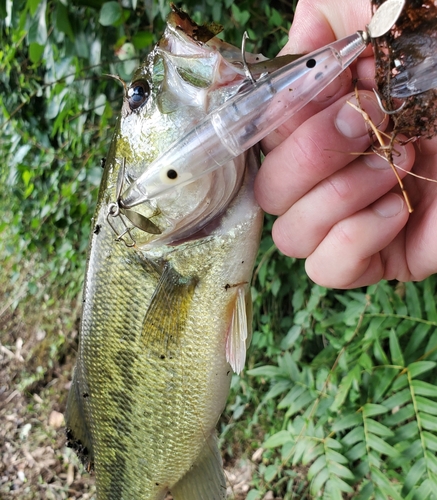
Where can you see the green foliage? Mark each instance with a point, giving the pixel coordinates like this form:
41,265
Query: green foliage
354,390
57,110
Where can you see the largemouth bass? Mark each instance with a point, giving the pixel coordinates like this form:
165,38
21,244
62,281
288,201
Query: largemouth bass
166,314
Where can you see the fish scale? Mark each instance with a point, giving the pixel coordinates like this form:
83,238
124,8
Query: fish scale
155,361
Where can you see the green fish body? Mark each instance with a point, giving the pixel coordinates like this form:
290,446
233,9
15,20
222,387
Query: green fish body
166,312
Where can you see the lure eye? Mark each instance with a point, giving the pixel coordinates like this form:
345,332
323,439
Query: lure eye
138,94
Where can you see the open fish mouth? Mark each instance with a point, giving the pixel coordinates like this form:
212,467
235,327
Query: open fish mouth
189,73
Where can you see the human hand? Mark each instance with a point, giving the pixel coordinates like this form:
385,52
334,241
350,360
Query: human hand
341,210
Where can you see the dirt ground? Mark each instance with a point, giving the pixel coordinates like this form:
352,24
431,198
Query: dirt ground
37,354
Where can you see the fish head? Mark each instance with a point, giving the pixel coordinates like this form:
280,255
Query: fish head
189,73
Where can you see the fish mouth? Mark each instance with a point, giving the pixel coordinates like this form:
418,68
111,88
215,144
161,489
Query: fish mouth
189,74
154,223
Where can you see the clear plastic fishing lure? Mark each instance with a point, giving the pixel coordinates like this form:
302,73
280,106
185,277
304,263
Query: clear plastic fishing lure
253,113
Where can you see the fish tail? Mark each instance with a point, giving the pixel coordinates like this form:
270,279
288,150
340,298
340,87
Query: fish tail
205,480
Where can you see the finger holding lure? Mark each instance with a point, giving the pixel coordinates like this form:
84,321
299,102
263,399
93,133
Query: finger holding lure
258,109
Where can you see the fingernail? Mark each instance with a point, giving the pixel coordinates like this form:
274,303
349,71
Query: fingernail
375,161
389,206
379,162
351,123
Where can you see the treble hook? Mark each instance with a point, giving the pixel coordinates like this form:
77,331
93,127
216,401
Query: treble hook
387,111
246,68
136,219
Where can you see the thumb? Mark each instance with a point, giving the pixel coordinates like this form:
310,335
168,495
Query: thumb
319,22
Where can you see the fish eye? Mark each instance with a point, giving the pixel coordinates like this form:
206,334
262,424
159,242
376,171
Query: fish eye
138,94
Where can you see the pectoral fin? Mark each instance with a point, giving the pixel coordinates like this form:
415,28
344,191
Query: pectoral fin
239,332
168,312
205,480
78,435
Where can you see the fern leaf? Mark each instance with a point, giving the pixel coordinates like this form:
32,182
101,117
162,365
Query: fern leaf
332,491
424,388
366,492
378,444
433,480
353,376
354,435
333,444
335,457
428,422
374,460
419,367
278,439
431,462
414,475
301,402
292,395
429,300
385,487
398,399
357,452
369,410
346,422
400,416
407,432
425,491
400,383
418,337
397,357
316,467
426,405
413,301
378,428
312,453
339,486
381,382
338,470
414,451
300,448
430,440
319,481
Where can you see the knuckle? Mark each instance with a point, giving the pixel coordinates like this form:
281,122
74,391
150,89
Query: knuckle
308,155
341,187
344,235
